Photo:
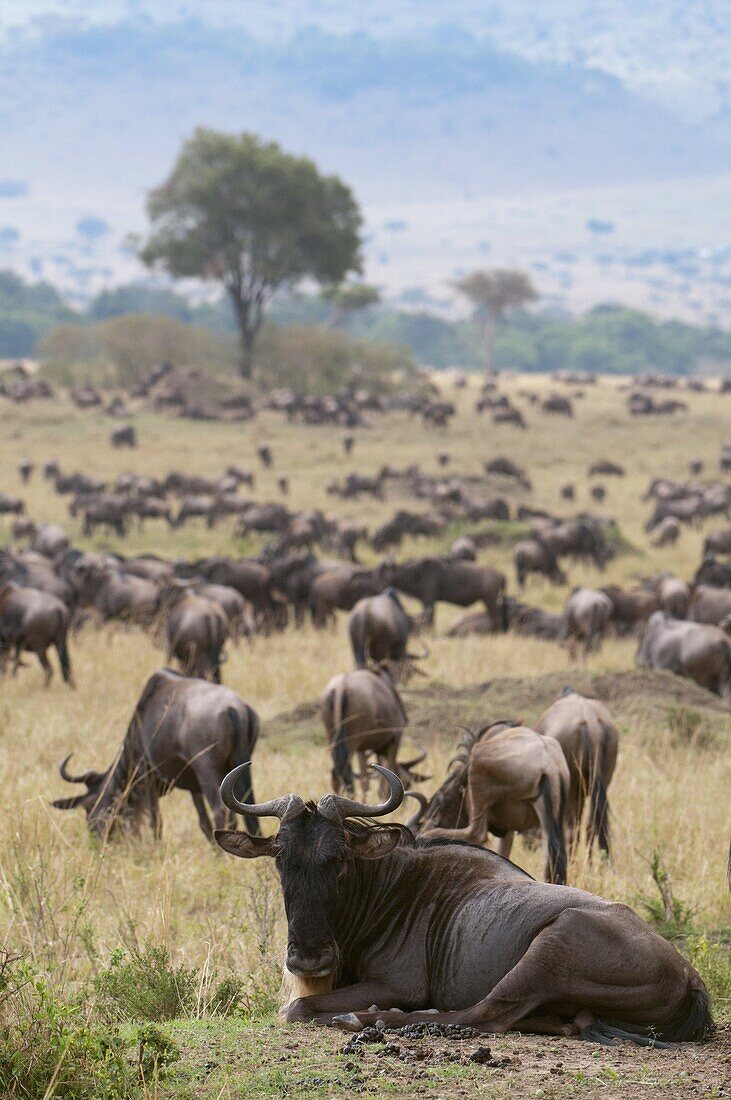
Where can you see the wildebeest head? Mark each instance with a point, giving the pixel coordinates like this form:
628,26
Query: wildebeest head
311,850
105,806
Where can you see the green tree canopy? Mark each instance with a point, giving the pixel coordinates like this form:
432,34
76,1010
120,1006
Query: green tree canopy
350,298
254,218
492,293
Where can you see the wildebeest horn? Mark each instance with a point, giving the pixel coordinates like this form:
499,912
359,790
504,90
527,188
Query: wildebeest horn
66,774
337,808
286,807
412,763
420,656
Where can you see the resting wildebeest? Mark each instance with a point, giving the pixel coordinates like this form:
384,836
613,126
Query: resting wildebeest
196,630
32,621
362,713
379,630
589,739
585,620
536,556
697,650
458,582
569,963
184,733
509,779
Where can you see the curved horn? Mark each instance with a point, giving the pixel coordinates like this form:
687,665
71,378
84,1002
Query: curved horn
413,821
420,656
412,763
337,808
65,774
285,807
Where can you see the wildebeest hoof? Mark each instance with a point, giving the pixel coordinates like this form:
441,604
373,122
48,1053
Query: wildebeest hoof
347,1022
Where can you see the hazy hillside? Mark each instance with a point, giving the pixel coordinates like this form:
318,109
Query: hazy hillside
498,134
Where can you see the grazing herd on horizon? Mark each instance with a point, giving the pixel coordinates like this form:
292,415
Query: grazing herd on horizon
549,781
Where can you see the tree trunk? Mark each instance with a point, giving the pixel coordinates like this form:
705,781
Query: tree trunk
489,337
247,334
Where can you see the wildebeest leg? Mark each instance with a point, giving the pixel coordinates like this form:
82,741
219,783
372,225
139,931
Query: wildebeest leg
364,772
506,845
203,819
322,1007
46,666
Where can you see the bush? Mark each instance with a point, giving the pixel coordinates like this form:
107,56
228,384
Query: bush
49,1048
315,359
123,350
144,984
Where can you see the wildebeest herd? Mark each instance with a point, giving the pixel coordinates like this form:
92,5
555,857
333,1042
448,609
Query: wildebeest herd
385,920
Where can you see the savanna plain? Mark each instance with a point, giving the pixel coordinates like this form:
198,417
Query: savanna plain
143,968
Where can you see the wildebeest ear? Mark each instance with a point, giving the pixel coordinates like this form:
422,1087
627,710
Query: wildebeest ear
68,803
245,846
375,843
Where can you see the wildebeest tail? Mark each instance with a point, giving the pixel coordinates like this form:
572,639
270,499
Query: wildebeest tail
243,743
63,655
342,770
557,858
504,613
692,1026
357,642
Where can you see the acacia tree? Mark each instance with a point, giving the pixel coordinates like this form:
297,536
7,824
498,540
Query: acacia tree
492,294
348,299
243,212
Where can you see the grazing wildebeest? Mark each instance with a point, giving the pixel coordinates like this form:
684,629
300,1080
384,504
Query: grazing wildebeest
708,604
630,607
266,457
697,650
339,589
32,621
102,584
106,511
536,556
589,739
196,630
672,593
123,436
463,549
606,468
509,779
712,571
667,532
519,618
184,733
459,582
50,540
11,506
362,713
25,469
251,578
379,629
718,542
585,620
556,960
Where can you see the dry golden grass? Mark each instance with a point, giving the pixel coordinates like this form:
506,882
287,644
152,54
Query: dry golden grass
69,903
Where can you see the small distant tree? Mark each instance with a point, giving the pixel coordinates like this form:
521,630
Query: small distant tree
492,294
243,212
348,299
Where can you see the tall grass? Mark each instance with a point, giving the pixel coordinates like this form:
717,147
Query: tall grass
68,904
